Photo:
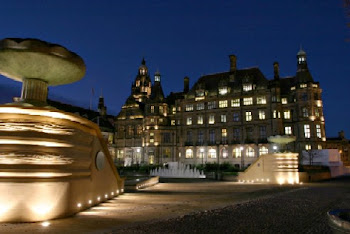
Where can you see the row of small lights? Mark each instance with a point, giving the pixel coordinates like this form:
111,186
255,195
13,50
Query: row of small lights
252,181
145,185
79,205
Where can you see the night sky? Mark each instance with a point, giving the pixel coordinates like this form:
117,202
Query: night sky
187,38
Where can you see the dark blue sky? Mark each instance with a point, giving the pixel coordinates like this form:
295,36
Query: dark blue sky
188,38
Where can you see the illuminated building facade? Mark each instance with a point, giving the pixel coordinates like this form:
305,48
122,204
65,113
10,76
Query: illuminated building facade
224,117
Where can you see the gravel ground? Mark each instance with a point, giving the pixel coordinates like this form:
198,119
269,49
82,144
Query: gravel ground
296,211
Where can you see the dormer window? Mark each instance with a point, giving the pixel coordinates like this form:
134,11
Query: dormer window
143,71
247,87
223,90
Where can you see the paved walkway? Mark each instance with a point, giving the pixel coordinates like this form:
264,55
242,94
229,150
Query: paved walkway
206,207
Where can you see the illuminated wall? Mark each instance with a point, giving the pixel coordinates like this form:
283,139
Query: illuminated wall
52,164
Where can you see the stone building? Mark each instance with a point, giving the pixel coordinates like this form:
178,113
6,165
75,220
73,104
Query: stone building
224,117
342,145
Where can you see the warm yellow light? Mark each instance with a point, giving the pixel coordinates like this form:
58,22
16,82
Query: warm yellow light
98,198
34,174
79,205
45,224
90,201
106,195
33,142
112,193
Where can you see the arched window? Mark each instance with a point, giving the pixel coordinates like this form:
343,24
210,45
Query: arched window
224,153
189,153
250,152
237,152
263,150
212,153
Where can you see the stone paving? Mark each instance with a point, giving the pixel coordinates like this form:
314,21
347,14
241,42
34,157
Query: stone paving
207,207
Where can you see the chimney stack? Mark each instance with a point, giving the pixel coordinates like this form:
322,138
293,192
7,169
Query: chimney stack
186,84
276,70
233,63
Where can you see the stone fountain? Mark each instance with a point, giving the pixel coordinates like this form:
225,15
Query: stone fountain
52,163
177,170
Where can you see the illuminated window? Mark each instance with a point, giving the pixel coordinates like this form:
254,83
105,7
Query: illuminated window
303,85
286,114
305,112
248,116
319,147
292,88
223,118
211,119
120,153
212,153
288,130
224,153
200,153
263,150
200,119
284,101
236,116
151,140
189,107
200,106
223,104
274,114
307,131
223,90
161,110
318,131
173,122
152,120
237,152
189,153
138,130
152,109
317,112
307,147
174,110
248,101
224,134
189,121
250,152
261,100
261,114
151,134
235,102
211,105
247,87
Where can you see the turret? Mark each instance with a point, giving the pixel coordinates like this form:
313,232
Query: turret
233,63
186,84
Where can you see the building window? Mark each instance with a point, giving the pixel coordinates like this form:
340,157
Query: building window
284,101
317,112
138,130
200,106
200,119
152,120
247,87
223,104
318,131
288,130
211,105
200,137
249,132
174,110
152,109
236,116
224,135
161,110
307,131
173,122
189,136
235,102
286,114
303,85
212,136
189,121
250,152
200,153
130,130
248,116
261,100
224,153
248,101
236,134
151,140
120,153
274,114
211,119
223,118
223,90
261,114
237,152
166,137
189,153
212,153
189,107
307,147
304,97
263,150
319,147
305,112
262,132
